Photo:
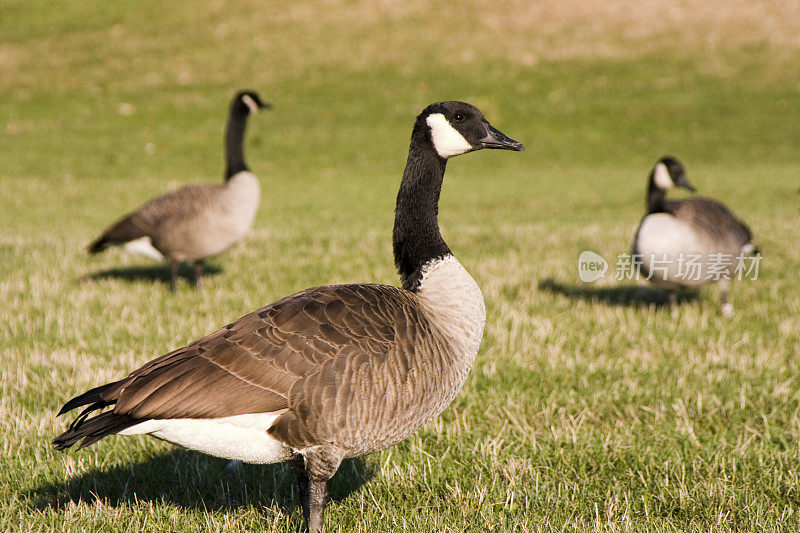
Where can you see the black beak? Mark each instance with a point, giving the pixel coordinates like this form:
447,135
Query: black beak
500,141
683,182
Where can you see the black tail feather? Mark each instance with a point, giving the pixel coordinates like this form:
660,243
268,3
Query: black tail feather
91,396
98,245
120,232
90,430
85,414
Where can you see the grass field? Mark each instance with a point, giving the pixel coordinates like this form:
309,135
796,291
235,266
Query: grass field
590,407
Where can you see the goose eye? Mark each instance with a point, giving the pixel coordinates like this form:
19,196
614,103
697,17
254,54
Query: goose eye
458,117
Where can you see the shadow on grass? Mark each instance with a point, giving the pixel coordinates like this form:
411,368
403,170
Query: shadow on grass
193,480
155,273
622,295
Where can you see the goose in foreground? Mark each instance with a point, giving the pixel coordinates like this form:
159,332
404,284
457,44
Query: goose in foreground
332,372
687,243
198,221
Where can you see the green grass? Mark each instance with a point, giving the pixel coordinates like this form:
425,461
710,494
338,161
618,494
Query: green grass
590,407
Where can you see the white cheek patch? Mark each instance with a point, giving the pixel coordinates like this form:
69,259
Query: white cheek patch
249,102
447,141
661,177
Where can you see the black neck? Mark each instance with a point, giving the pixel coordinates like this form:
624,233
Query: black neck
417,239
234,140
655,197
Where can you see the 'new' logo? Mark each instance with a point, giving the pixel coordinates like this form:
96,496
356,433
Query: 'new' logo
591,266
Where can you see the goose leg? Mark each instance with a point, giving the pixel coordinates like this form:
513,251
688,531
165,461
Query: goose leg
724,289
317,499
198,272
173,275
313,470
298,464
673,300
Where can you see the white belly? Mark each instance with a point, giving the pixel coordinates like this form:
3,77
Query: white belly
242,437
665,245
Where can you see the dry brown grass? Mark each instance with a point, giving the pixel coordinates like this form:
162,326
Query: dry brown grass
407,34
552,29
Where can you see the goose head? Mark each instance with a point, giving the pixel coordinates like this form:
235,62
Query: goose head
669,173
455,128
249,103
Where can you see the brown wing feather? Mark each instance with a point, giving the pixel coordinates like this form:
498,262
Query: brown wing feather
175,205
355,366
122,231
150,218
253,364
713,217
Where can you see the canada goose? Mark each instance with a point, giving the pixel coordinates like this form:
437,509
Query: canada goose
332,372
685,243
198,221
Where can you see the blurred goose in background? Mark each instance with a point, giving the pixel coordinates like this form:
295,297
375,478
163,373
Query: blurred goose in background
332,372
687,243
197,221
